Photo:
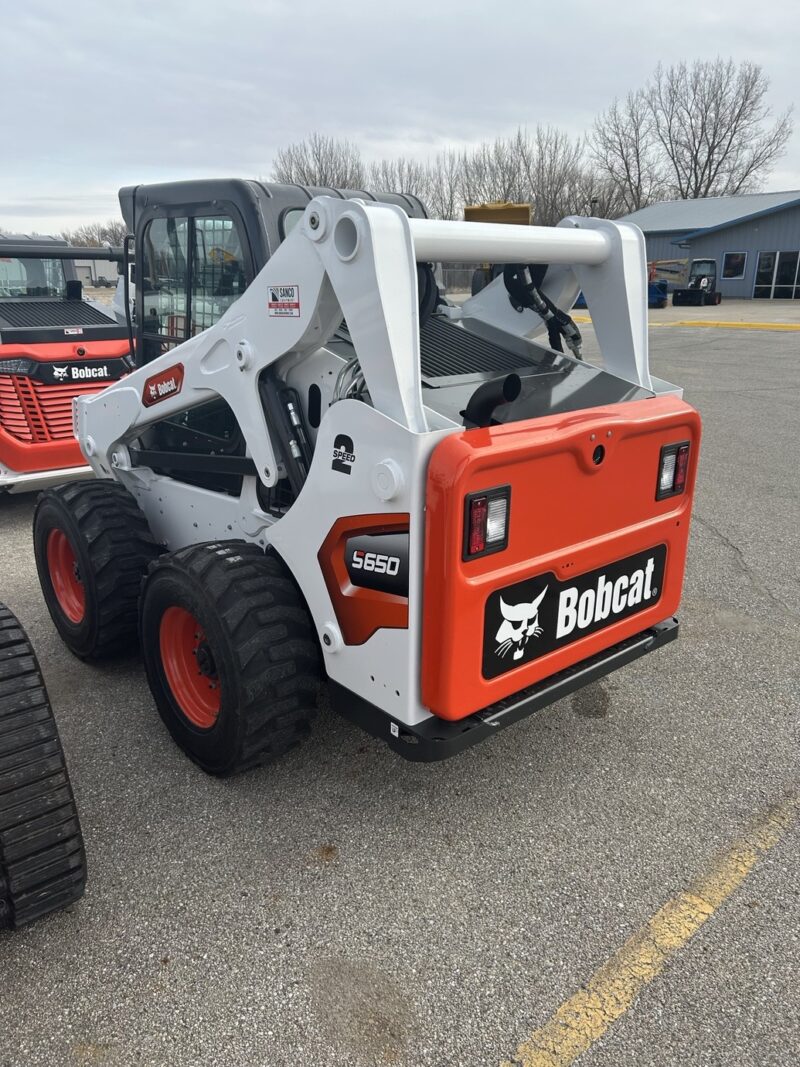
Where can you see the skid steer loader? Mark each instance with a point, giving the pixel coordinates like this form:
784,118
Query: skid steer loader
42,860
54,345
321,471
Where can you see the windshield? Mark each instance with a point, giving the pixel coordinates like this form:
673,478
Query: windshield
31,278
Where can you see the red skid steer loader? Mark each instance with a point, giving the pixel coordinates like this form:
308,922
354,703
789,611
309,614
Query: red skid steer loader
54,346
321,472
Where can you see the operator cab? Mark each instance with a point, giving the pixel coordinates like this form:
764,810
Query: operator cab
198,245
703,274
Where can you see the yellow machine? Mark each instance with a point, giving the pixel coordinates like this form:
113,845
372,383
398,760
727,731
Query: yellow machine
497,211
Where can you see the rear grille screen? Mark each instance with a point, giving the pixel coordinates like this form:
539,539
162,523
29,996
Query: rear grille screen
33,412
448,351
41,314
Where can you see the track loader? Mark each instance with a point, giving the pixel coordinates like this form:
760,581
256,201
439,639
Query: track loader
323,473
42,859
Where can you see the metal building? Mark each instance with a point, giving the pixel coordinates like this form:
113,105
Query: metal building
754,239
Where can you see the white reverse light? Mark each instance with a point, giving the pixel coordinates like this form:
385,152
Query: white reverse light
667,475
496,520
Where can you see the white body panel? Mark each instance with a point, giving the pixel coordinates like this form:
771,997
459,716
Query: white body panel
34,481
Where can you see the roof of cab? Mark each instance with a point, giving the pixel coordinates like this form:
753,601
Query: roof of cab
276,198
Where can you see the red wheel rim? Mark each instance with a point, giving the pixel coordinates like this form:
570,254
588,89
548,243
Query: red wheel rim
65,576
189,667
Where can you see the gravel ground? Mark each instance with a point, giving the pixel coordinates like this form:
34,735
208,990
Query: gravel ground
346,908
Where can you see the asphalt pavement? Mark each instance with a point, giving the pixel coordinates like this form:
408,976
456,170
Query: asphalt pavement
344,907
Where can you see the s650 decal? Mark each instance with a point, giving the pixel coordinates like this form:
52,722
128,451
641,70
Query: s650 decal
379,561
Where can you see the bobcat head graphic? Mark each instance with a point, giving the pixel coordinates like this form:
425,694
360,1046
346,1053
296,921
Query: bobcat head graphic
520,623
60,373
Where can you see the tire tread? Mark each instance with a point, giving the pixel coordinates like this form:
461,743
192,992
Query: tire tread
120,546
272,637
42,859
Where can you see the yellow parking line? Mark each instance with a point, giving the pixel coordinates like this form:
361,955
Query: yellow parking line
734,325
717,325
608,994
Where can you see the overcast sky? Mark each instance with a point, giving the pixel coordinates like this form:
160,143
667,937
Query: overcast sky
97,93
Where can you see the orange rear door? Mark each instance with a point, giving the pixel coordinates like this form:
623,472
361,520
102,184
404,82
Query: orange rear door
593,557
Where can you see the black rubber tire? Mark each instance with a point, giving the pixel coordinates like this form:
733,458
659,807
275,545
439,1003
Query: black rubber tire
42,861
264,647
113,547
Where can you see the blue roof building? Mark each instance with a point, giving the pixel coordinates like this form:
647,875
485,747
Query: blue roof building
754,239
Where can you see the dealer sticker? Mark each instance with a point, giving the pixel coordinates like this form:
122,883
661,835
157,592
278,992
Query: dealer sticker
284,301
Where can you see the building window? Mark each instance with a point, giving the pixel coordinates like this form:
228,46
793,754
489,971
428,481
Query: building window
733,265
777,276
786,276
765,275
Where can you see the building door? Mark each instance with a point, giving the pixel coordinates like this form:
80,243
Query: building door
786,276
777,276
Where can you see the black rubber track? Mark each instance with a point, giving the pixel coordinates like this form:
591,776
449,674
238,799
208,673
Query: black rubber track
42,862
263,641
113,544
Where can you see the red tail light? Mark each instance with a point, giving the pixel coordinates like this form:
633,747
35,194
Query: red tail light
486,522
478,513
673,467
681,467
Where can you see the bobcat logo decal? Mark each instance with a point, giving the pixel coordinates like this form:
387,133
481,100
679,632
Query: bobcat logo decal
520,623
60,373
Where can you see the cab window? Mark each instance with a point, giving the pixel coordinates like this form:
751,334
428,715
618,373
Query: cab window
290,219
193,269
31,278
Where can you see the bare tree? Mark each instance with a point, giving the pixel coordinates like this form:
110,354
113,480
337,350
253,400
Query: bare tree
491,172
711,120
400,175
321,161
626,154
551,165
95,234
544,168
444,191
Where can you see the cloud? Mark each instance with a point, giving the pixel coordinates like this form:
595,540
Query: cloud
99,95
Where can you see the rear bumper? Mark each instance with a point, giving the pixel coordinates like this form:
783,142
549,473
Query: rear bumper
437,739
31,481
